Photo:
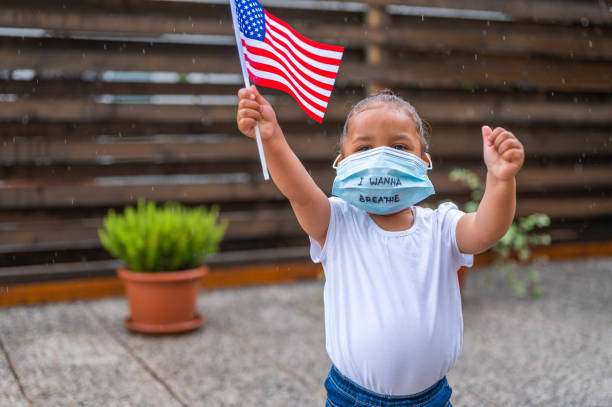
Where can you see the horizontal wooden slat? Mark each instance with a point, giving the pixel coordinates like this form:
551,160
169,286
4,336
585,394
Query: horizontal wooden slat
435,34
83,233
50,88
585,207
17,274
469,110
125,22
441,72
542,11
446,141
173,148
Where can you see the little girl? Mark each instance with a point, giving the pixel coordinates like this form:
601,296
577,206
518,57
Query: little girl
393,320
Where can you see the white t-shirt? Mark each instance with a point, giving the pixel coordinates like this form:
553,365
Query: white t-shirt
393,321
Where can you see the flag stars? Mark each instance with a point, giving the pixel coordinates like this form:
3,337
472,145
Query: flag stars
251,19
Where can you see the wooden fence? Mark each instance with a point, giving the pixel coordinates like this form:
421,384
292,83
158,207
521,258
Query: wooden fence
103,102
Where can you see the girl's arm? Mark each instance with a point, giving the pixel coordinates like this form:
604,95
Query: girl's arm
308,201
504,156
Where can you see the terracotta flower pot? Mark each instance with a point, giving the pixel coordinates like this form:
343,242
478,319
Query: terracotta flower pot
163,302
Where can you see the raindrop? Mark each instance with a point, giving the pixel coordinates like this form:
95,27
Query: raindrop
590,44
503,38
422,18
68,168
72,201
25,119
584,21
193,60
144,52
105,47
475,57
563,81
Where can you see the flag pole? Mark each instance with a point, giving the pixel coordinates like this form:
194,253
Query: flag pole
245,75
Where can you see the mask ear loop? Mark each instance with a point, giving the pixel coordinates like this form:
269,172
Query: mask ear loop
335,164
430,165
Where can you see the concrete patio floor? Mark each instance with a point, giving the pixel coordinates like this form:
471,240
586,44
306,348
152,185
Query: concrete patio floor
265,346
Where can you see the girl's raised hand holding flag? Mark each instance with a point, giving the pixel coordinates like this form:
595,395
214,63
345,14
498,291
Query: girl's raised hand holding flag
273,54
308,201
254,110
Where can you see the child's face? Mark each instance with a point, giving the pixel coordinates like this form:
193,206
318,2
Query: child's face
380,126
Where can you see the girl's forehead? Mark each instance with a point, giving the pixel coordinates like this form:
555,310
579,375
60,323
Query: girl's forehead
386,115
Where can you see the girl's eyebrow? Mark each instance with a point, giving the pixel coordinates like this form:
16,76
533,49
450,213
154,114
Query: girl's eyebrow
362,138
403,137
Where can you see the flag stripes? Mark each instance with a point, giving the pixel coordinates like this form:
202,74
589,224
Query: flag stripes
288,61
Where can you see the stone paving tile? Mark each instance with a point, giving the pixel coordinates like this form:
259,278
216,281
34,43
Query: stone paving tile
10,395
215,366
551,351
284,322
64,358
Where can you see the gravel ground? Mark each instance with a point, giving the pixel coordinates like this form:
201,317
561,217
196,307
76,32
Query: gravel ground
265,346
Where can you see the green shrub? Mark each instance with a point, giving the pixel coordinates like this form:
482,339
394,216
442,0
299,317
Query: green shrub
514,248
166,238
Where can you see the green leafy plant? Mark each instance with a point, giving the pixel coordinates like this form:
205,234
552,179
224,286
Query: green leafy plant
165,238
514,250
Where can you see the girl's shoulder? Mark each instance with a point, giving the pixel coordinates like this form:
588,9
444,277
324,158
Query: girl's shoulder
440,215
341,206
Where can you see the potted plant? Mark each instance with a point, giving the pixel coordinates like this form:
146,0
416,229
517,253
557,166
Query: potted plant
513,254
163,250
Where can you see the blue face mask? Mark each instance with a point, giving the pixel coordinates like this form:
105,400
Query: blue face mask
382,180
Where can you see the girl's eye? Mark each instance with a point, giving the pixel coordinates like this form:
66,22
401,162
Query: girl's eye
363,148
399,147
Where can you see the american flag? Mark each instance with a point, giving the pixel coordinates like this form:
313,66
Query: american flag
278,57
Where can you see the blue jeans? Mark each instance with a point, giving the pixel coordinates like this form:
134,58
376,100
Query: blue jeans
343,392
